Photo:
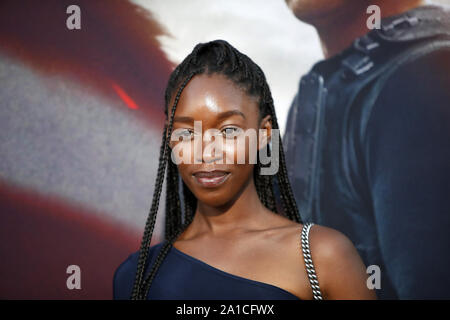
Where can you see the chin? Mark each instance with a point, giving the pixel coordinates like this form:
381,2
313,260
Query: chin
213,200
311,11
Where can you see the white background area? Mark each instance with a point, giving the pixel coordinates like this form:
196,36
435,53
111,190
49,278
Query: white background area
266,31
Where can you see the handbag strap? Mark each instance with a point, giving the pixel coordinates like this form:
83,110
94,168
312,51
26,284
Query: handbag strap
308,261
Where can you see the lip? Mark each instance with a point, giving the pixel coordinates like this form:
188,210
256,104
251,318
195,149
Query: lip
210,179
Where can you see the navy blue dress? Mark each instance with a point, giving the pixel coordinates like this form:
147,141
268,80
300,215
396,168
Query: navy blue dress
181,276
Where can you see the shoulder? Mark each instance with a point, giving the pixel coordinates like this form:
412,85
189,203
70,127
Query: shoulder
123,279
422,81
326,244
411,107
330,246
325,241
125,273
339,268
429,72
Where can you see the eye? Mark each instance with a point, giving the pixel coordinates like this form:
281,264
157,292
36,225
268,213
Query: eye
186,134
231,132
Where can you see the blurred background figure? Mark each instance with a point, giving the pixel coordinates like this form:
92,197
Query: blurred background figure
367,138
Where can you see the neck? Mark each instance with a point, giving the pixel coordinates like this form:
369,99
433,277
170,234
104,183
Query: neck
338,31
245,212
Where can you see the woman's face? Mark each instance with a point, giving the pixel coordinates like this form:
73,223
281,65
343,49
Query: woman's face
215,128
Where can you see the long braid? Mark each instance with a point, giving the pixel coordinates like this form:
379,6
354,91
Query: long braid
213,57
150,224
286,191
161,256
143,251
285,185
190,202
173,202
288,200
269,187
166,247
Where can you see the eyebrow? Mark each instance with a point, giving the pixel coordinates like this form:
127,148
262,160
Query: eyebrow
221,116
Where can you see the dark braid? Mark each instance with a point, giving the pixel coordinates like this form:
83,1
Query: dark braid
150,224
190,203
172,200
289,203
217,57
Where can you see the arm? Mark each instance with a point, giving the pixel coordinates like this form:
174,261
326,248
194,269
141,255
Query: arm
408,166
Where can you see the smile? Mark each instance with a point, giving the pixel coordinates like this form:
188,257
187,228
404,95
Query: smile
212,179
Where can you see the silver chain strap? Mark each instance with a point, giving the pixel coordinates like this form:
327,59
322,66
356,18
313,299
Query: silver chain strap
308,261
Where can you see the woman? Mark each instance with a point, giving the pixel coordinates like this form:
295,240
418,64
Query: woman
232,240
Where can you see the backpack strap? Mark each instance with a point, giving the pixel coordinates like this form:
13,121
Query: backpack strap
308,261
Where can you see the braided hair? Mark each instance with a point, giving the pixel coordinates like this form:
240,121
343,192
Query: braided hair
218,57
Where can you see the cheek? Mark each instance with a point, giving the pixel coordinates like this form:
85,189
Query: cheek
183,171
183,152
242,150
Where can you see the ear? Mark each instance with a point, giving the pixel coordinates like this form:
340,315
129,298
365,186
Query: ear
266,134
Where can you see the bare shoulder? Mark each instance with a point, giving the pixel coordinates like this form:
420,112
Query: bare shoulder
330,244
326,243
339,268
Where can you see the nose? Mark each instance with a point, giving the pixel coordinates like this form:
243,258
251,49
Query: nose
209,150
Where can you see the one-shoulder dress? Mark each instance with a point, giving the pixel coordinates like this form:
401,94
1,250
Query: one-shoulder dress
183,277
